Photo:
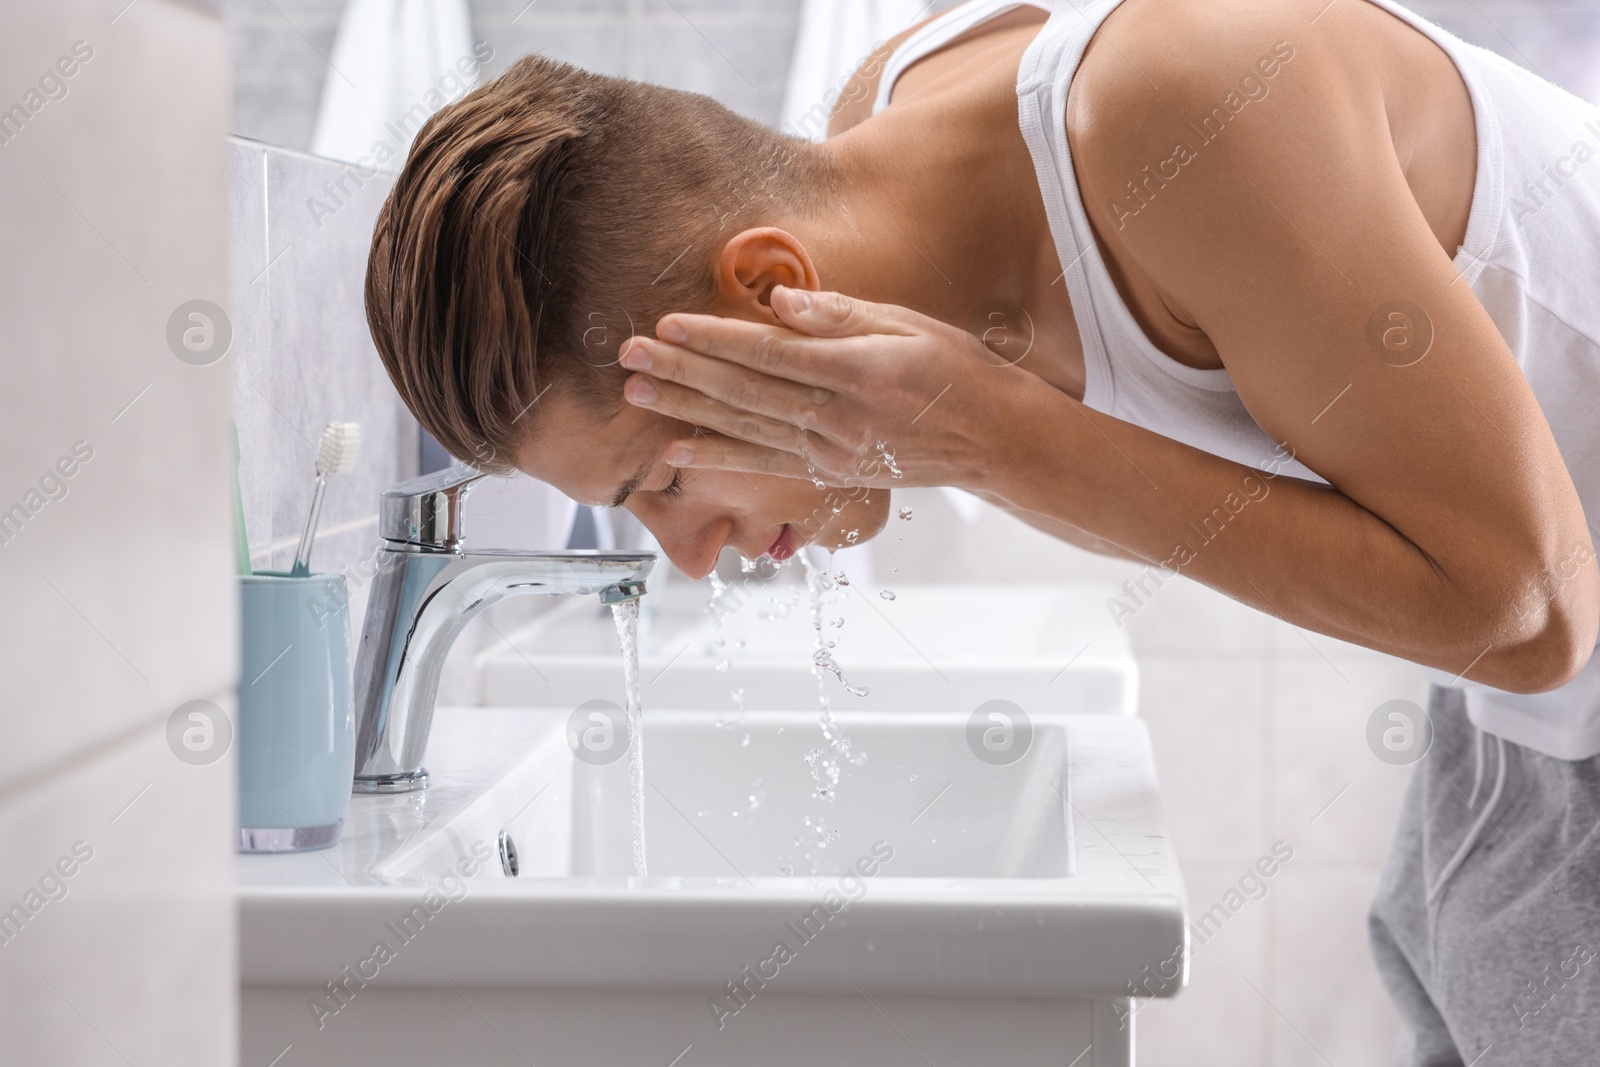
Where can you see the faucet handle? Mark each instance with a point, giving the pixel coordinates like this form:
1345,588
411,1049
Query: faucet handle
426,511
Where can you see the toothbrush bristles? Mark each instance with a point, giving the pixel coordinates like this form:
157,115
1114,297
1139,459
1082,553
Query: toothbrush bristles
338,449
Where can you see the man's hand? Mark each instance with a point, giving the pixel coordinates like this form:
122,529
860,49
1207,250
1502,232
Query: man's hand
851,393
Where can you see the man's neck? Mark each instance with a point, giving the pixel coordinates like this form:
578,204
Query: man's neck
936,207
926,213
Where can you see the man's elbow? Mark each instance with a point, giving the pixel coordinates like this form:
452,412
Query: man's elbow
1550,663
1547,652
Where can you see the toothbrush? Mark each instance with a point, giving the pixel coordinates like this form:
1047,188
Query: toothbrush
336,454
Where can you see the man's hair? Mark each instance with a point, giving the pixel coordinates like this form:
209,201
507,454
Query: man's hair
540,221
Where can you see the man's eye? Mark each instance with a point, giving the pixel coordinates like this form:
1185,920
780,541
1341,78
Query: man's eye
674,487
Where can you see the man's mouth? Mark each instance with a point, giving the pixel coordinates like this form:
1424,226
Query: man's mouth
783,545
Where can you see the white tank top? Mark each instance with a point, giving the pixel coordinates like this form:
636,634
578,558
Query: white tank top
1531,255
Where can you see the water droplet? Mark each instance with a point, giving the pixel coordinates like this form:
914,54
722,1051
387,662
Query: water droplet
852,537
839,621
888,460
842,578
905,513
744,742
887,594
723,665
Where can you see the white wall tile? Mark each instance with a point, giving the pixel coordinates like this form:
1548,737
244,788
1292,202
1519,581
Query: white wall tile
1176,616
1216,1021
1332,796
1207,729
585,45
744,67
279,53
119,598
135,963
1330,1006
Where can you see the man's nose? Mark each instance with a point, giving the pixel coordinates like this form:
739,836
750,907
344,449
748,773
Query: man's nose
692,547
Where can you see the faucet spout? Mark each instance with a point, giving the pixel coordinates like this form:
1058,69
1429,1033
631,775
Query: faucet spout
621,593
427,588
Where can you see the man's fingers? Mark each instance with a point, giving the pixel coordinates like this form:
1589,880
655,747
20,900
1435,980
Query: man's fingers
837,315
694,407
715,452
824,344
772,350
759,439
734,385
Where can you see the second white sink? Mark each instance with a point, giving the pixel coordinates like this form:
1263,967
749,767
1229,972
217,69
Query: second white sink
951,647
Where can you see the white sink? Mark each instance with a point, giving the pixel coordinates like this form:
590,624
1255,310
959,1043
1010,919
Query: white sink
1044,647
941,905
725,807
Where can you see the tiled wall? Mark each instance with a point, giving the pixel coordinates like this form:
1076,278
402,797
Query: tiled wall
735,50
116,854
1258,727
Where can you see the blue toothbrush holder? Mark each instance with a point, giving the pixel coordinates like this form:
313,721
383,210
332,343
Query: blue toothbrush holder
296,713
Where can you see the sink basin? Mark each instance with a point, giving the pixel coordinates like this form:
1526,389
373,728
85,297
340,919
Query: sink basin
1004,908
739,806
1044,647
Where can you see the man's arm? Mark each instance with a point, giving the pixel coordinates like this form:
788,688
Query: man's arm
1450,528
1062,531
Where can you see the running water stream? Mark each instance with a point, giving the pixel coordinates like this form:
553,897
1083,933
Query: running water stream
824,762
626,616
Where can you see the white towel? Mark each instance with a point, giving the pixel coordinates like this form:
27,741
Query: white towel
836,37
394,63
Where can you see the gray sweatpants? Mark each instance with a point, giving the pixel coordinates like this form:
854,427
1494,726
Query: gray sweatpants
1503,968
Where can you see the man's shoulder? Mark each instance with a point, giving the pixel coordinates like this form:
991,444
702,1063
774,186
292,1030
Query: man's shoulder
1153,61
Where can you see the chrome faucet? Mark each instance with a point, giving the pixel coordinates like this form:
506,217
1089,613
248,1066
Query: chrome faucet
427,588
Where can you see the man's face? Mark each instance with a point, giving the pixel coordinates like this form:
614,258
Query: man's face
693,513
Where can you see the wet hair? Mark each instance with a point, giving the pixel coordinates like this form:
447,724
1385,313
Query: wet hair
541,220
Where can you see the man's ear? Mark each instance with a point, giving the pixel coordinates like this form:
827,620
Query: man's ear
753,263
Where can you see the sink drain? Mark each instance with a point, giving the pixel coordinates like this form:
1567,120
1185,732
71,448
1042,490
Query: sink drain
508,855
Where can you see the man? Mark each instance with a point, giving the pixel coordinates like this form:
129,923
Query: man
1324,244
